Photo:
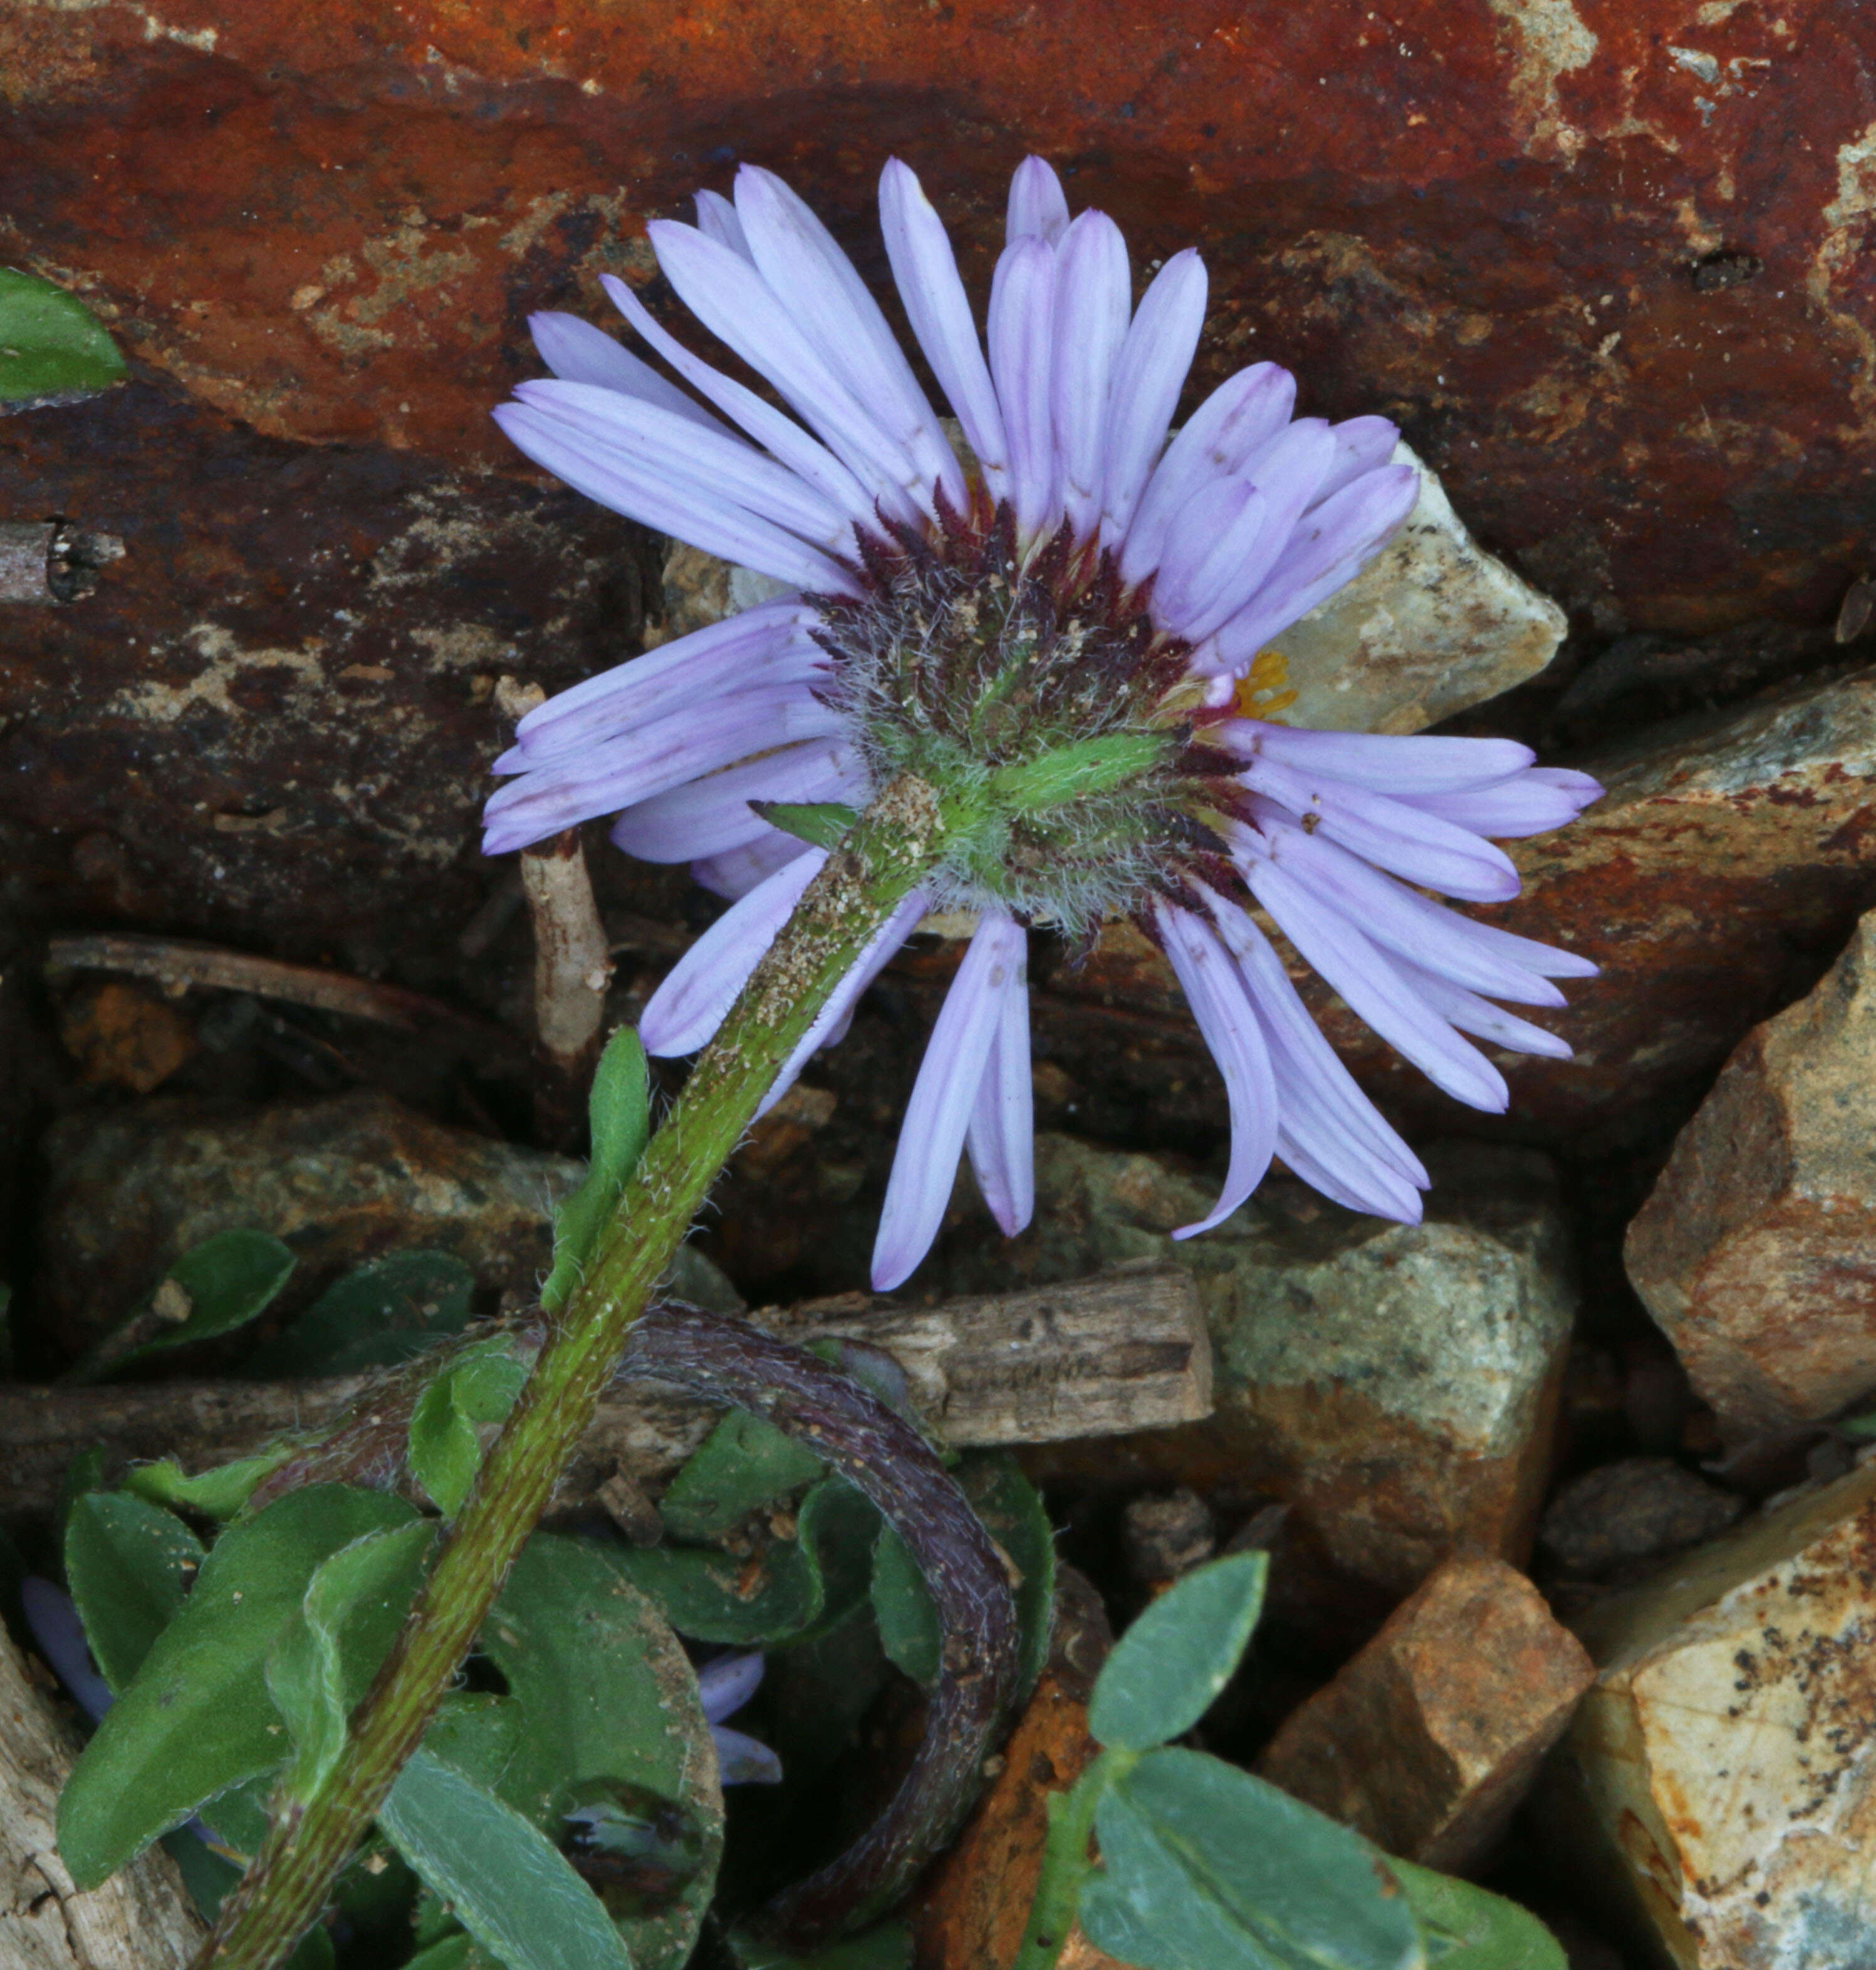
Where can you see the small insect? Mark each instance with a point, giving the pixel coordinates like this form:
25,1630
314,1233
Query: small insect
640,1849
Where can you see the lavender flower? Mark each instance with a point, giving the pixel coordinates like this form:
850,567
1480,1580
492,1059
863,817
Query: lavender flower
1063,637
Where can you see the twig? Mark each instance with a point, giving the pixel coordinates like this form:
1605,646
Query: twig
176,964
1124,1351
571,961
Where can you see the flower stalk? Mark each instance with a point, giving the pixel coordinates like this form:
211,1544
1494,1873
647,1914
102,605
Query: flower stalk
894,843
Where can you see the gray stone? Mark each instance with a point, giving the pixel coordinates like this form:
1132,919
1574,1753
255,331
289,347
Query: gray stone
1398,1385
1635,1509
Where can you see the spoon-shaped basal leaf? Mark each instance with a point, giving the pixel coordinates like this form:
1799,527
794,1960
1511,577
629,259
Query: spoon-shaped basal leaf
1167,1669
128,1563
1204,1864
197,1717
52,346
1469,1929
508,1885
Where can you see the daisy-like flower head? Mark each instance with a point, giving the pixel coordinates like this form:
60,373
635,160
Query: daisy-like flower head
1062,634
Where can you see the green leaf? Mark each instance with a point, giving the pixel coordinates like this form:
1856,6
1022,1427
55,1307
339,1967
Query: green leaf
903,1608
610,1708
1206,1865
453,1952
376,1316
129,1564
1467,1929
479,1386
821,823
322,1662
888,1947
219,1493
741,1465
509,1886
1167,1670
788,1589
223,1283
620,1112
196,1718
51,345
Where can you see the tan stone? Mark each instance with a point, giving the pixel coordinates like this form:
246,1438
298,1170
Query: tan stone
1756,1252
1429,1738
1718,1777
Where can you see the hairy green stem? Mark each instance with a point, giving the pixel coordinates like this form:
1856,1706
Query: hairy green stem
894,845
1066,1861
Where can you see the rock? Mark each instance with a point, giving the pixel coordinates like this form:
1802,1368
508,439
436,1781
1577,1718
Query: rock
1717,1777
1397,1385
1756,1253
1163,1537
1729,853
339,1180
1637,1508
971,1912
1427,1740
1666,413
119,1032
1432,625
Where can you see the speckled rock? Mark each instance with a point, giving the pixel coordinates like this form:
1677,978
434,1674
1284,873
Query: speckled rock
1729,852
1756,1252
1719,1775
340,1182
1428,1739
1398,1385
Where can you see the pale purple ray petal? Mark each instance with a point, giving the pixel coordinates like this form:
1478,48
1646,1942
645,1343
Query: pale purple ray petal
605,778
1326,1162
1362,445
1533,803
713,815
1471,1014
1388,833
807,270
1039,207
1404,767
1217,528
926,271
1334,542
1148,378
705,519
1215,989
1399,919
1228,431
1094,298
925,1164
685,1011
736,871
725,1683
1312,1062
578,353
639,437
717,219
741,1760
1284,476
831,1026
1001,1138
733,301
778,434
1021,317
767,645
1372,989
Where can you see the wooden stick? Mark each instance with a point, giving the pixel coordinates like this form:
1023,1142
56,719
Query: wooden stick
176,964
1125,1351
